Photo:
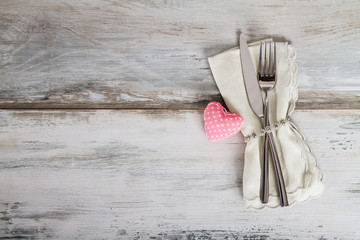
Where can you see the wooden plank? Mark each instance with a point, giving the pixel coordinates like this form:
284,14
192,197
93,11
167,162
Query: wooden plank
153,54
110,174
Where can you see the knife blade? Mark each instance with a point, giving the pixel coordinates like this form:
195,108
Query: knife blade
250,79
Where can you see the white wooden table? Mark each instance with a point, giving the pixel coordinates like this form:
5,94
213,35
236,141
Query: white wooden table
101,132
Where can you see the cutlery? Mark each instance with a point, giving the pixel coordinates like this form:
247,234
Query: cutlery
256,103
267,80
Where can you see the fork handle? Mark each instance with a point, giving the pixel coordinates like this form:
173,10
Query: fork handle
264,192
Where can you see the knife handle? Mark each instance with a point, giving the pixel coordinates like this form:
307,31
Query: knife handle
264,194
279,176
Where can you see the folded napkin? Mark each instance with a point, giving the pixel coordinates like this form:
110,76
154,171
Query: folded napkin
302,177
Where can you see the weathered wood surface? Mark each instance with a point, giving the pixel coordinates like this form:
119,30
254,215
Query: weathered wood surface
128,174
153,54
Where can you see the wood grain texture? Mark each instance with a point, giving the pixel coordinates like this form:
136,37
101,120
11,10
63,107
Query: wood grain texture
153,54
151,174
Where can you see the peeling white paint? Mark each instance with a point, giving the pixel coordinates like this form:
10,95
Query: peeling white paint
170,97
128,98
96,97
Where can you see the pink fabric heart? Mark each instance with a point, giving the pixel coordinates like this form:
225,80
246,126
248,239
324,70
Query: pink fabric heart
220,124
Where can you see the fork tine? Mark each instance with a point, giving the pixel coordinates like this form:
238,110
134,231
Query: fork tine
274,61
270,59
260,60
267,63
264,65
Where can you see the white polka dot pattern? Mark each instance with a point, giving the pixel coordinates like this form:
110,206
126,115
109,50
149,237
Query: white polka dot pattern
220,124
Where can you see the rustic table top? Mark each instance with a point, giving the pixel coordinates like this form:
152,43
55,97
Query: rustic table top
101,132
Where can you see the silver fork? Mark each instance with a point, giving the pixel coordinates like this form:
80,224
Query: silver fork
267,80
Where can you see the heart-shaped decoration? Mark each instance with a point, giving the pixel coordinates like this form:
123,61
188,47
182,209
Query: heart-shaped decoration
220,124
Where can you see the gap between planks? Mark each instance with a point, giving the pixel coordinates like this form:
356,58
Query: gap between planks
147,108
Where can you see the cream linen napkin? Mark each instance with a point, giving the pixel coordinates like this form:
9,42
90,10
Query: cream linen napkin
302,177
